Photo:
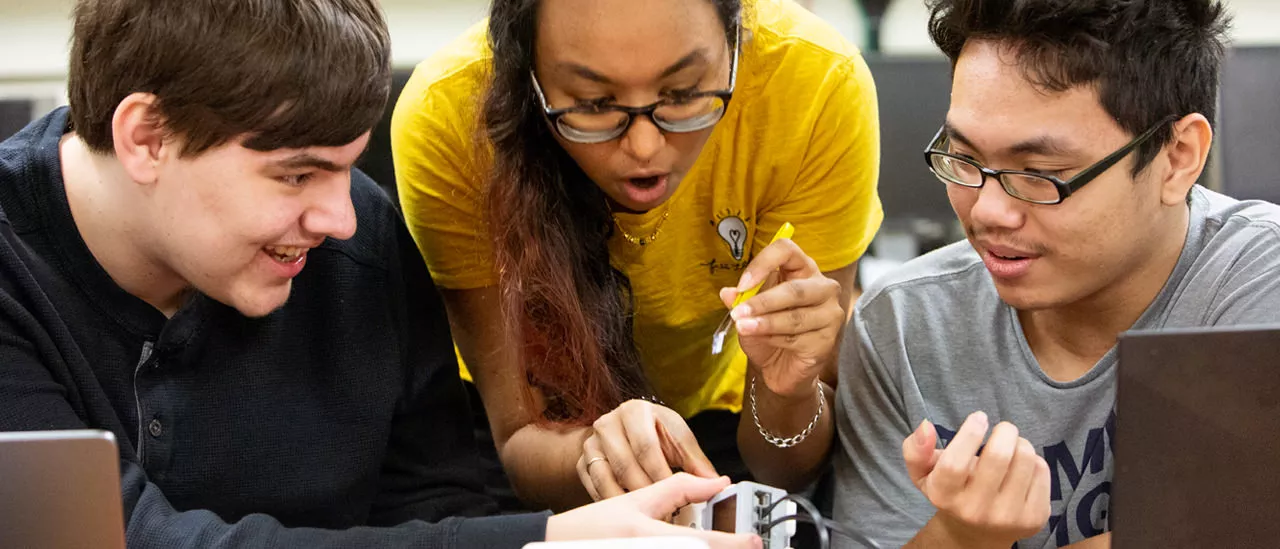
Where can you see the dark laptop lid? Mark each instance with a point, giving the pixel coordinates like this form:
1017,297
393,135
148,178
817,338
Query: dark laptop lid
1197,439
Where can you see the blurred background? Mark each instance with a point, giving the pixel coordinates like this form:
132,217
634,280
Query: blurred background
911,76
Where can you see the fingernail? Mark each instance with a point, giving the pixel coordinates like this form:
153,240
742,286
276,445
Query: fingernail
740,312
980,420
918,434
745,282
748,326
756,541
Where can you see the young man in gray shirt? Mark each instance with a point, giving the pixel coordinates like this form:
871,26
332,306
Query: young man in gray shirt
1070,153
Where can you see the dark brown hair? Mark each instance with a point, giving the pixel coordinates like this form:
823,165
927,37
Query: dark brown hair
550,226
1148,58
284,73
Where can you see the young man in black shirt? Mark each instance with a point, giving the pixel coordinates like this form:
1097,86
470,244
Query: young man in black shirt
153,239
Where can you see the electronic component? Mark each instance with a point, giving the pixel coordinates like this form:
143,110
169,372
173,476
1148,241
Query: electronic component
747,507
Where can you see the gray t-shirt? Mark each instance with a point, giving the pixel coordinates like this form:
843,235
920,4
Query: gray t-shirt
933,340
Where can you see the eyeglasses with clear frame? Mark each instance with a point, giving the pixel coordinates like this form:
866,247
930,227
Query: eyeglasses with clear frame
1033,187
686,113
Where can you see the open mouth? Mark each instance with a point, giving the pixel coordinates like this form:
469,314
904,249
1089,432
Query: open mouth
643,193
285,254
646,182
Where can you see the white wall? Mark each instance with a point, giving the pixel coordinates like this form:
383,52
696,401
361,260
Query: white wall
34,44
1257,22
34,38
34,35
420,27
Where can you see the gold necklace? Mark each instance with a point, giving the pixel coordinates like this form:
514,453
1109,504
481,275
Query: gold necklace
642,241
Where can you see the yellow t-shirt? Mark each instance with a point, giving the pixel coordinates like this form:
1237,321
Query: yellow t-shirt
799,142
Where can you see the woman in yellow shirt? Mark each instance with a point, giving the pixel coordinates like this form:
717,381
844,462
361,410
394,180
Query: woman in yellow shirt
594,183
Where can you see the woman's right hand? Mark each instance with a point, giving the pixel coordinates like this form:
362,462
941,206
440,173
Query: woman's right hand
637,444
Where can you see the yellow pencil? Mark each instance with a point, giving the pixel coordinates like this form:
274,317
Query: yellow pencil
717,339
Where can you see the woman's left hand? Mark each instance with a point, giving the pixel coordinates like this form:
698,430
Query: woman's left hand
790,328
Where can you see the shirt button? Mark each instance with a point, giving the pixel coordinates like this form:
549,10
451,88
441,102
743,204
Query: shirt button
155,428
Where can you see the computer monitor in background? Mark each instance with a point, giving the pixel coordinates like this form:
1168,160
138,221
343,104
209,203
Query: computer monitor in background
914,94
1249,123
376,161
15,114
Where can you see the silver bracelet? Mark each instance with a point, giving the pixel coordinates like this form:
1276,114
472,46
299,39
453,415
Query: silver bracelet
789,441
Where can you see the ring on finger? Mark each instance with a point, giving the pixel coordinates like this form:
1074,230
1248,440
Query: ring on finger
593,460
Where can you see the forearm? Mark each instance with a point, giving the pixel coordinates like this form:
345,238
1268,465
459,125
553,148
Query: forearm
788,468
936,535
795,467
539,462
541,465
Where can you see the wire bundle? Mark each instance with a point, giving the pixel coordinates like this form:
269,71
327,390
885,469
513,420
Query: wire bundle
820,523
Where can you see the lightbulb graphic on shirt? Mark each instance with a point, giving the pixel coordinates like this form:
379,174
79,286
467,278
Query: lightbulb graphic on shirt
734,232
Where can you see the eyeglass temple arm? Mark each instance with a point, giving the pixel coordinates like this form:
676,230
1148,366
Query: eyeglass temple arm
737,50
1088,175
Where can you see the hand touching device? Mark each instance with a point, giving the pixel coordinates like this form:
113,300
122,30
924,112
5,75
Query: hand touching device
748,507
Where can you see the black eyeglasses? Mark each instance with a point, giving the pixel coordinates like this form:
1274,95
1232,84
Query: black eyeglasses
685,113
1029,186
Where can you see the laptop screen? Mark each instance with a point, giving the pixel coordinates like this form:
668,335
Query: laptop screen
1197,439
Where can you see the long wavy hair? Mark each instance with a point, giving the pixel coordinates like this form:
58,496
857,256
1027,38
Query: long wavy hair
550,226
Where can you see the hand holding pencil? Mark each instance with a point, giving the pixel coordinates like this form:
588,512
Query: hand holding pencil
790,328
